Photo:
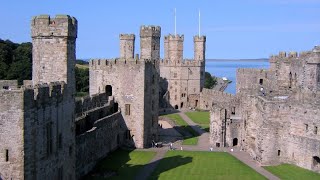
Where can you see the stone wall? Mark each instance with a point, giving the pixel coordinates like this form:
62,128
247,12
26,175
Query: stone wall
134,85
8,84
11,134
210,97
96,143
43,143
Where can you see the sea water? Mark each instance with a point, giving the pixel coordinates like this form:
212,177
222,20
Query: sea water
228,68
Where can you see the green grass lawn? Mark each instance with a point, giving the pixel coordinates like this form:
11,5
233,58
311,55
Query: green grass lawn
201,118
191,137
202,165
125,163
292,172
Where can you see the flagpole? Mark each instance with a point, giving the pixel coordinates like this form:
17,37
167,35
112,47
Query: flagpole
175,21
199,23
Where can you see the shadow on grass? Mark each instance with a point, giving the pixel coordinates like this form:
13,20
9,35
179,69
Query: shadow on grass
167,164
117,166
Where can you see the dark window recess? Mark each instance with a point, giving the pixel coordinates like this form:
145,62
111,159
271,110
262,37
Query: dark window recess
315,130
5,87
261,81
7,155
127,109
279,152
109,90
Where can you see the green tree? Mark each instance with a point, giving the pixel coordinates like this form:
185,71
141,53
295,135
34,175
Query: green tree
82,79
210,81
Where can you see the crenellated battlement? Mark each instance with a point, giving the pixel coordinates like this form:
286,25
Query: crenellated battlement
199,38
44,94
185,63
293,55
150,31
59,26
127,36
102,63
177,37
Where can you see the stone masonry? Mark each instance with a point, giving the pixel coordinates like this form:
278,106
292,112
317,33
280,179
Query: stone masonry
275,114
181,79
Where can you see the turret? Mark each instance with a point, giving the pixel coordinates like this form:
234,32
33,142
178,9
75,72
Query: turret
175,49
127,46
199,48
150,42
53,50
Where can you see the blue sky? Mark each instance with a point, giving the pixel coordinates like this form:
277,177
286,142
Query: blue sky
234,29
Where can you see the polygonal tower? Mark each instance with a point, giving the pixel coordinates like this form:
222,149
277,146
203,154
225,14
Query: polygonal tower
127,46
54,49
150,42
199,48
175,47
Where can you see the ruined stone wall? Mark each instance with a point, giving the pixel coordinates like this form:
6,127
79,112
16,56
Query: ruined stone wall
87,103
249,81
53,51
297,71
96,143
210,97
8,84
11,134
131,88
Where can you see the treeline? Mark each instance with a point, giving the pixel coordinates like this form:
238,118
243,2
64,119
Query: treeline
16,63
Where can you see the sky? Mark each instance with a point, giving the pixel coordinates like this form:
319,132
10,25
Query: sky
234,29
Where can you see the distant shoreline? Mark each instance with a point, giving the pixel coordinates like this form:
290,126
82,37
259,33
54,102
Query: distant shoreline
262,59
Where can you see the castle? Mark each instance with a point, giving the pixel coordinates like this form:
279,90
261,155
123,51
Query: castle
274,115
46,132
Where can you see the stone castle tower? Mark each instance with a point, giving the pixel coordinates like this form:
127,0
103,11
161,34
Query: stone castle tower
150,42
54,49
127,46
133,83
37,121
182,80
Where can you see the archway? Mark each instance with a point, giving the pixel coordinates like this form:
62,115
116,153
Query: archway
176,107
108,90
181,105
235,142
316,161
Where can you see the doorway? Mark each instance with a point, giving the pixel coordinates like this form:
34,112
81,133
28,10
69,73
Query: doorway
235,142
